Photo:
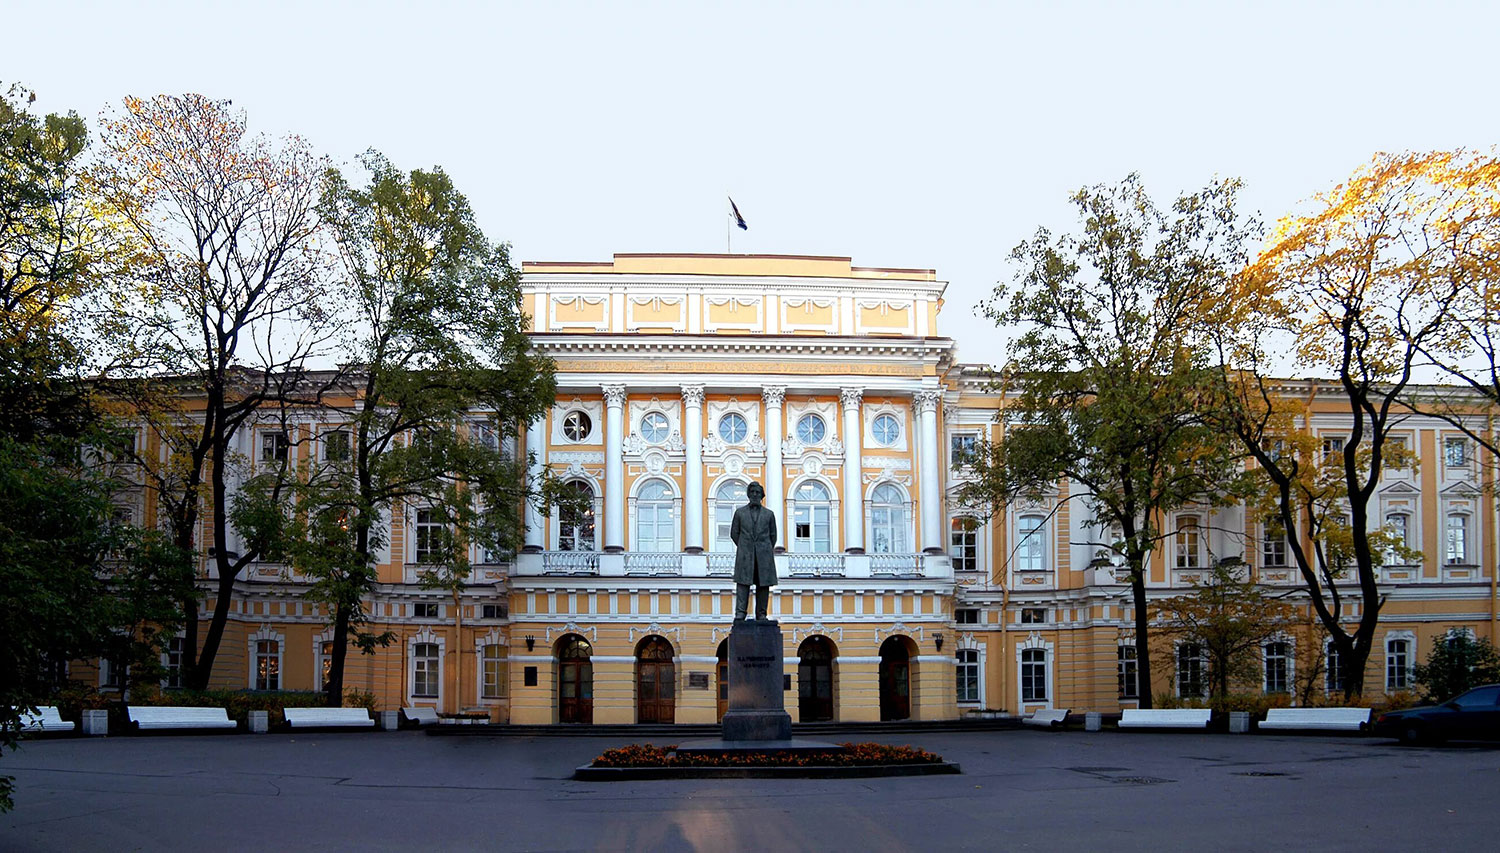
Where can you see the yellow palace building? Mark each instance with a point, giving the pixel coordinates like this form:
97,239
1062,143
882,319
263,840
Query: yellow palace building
682,379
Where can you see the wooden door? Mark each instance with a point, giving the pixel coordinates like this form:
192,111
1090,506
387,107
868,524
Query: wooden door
575,682
723,684
895,681
815,681
656,682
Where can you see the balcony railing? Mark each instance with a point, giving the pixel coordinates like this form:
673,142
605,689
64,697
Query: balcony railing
720,565
653,563
570,562
815,565
896,565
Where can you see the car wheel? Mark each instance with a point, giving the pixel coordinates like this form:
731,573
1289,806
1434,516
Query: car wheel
1411,734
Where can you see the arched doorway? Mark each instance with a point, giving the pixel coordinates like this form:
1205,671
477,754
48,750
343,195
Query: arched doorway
575,680
895,679
723,679
655,682
815,680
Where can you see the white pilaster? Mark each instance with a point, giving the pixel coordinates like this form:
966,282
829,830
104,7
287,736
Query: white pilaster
854,505
774,396
932,500
692,425
538,455
614,468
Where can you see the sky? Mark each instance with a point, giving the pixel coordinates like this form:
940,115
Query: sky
934,135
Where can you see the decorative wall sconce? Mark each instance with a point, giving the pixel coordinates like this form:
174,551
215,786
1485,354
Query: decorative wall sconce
937,640
530,642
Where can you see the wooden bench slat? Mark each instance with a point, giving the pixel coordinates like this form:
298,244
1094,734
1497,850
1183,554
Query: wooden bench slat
328,717
46,719
1165,718
179,717
1328,719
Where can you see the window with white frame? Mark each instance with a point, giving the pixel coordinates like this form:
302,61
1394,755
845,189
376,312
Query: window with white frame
1278,656
1188,542
492,674
966,615
1033,675
811,532
1127,672
1398,656
114,673
1395,452
1456,539
429,536
655,427
967,673
426,670
1333,665
1272,548
173,655
655,522
266,667
1333,445
1191,667
811,430
576,426
1398,526
728,497
1033,615
888,533
1456,452
963,543
733,429
424,610
886,429
961,447
325,663
576,520
336,445
1031,545
274,446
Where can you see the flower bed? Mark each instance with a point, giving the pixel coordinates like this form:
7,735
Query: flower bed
853,755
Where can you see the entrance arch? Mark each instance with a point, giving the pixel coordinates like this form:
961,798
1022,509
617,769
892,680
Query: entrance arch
723,678
815,680
655,681
895,678
575,680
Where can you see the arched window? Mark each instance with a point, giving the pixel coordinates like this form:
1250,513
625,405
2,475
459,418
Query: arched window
1127,672
888,520
1398,655
426,670
1187,542
728,497
1031,545
967,672
810,532
1034,675
655,528
576,523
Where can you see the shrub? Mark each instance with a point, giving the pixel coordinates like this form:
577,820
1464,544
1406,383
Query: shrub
361,699
854,754
237,703
1455,665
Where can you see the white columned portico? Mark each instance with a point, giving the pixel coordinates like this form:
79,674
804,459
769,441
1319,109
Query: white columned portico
692,425
774,396
854,505
932,500
537,465
614,468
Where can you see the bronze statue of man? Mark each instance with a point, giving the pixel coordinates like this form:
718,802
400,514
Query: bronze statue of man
753,532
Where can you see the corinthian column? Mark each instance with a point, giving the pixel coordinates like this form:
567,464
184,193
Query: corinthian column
538,453
932,499
854,505
692,425
774,396
614,468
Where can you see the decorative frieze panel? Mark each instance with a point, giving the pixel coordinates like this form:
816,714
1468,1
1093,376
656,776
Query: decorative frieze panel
809,314
656,312
590,313
733,313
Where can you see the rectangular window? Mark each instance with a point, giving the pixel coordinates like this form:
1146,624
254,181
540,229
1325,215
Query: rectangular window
429,537
1127,672
1395,453
113,673
1332,446
966,615
172,663
493,611
1033,615
336,445
1398,525
1272,549
1278,667
1190,668
425,670
1187,542
325,663
493,684
967,672
425,610
1031,552
1457,540
274,446
1456,452
1034,675
1397,664
1335,666
963,543
961,448
267,665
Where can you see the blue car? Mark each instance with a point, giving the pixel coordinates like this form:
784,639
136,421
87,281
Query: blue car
1468,716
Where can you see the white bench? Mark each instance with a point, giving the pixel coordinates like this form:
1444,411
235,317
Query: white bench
1165,718
179,717
1324,719
1047,718
46,719
421,716
328,717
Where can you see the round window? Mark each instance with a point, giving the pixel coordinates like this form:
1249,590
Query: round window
654,427
576,426
732,428
810,429
887,430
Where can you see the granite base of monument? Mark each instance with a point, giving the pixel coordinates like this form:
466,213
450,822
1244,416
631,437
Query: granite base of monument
757,709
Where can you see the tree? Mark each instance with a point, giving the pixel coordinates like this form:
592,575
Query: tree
443,377
232,305
1455,665
1355,290
1230,617
1104,383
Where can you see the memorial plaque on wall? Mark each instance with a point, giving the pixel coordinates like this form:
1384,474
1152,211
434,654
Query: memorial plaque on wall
697,681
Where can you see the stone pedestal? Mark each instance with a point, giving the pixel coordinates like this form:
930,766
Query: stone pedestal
1239,722
1093,721
388,720
757,711
95,723
260,722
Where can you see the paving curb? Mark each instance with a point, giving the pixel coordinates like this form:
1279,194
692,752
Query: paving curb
589,773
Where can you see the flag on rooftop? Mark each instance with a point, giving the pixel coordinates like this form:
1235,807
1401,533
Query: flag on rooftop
738,220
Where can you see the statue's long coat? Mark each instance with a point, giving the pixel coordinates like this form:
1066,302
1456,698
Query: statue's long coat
753,531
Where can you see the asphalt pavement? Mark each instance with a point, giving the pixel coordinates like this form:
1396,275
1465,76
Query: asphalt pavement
1020,790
